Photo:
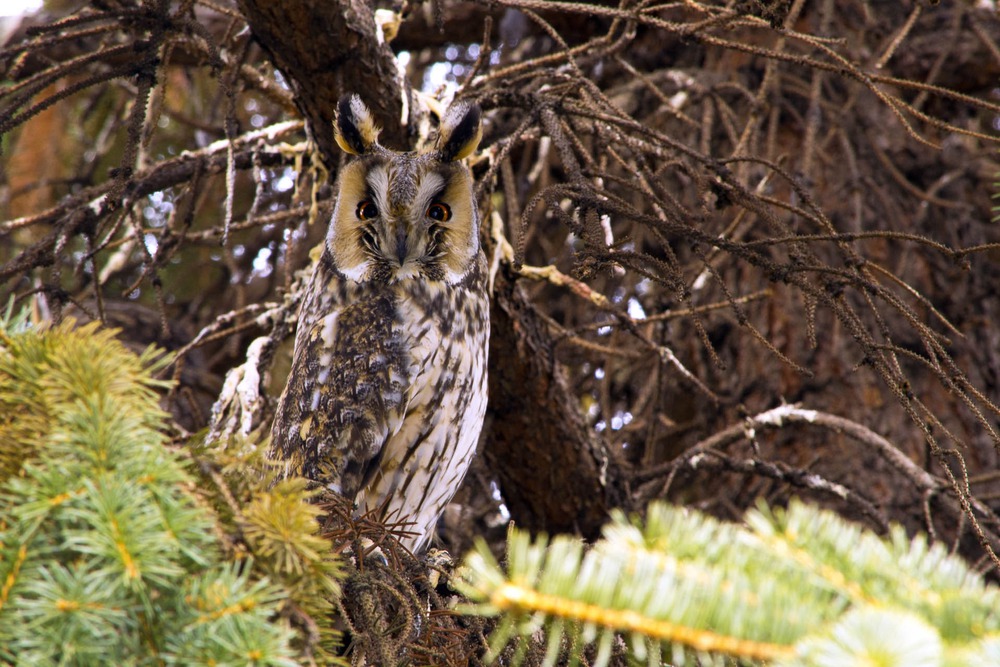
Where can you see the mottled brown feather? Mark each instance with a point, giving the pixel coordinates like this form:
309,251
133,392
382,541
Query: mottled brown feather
387,390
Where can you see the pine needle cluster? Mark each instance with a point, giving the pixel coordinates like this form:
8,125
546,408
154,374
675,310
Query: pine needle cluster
797,588
106,557
277,524
280,527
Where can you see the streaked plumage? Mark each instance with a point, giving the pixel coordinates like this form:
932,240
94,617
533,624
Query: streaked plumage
387,390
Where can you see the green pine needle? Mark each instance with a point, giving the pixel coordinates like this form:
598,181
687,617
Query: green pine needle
106,556
798,587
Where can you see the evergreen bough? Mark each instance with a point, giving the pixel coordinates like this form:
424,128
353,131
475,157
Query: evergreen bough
109,555
794,588
106,557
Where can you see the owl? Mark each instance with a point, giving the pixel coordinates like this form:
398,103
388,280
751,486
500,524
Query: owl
387,391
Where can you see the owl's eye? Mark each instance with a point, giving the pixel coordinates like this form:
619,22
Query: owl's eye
367,210
438,211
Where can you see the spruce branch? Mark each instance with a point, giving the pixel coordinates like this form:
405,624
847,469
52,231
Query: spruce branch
797,588
106,556
276,523
281,528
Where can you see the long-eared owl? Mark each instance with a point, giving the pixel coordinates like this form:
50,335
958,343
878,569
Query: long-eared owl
387,390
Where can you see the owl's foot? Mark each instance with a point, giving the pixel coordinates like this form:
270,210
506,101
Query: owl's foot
371,553
439,563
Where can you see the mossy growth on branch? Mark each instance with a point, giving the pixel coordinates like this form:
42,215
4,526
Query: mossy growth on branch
108,552
793,588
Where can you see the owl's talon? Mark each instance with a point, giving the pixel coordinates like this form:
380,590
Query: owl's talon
377,555
438,562
370,552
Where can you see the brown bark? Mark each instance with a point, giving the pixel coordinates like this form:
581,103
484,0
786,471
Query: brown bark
552,469
326,49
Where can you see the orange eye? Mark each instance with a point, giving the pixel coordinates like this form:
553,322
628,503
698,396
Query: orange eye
438,211
366,210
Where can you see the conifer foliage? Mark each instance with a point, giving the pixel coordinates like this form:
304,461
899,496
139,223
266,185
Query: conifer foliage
106,557
796,588
110,554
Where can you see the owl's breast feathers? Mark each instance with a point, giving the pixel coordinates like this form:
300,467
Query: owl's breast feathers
346,388
387,391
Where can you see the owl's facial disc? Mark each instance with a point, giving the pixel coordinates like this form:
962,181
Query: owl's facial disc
401,216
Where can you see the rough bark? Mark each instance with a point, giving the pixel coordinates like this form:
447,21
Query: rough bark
325,49
554,473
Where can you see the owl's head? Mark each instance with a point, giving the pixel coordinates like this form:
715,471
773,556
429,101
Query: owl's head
405,215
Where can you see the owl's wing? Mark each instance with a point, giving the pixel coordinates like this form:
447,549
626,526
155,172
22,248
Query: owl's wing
347,387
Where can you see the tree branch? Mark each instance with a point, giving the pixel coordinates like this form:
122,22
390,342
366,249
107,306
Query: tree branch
554,473
342,55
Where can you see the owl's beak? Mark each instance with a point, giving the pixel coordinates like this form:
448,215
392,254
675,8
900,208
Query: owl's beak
401,246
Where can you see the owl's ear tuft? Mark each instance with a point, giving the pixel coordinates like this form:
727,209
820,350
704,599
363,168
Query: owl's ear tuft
461,130
355,129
